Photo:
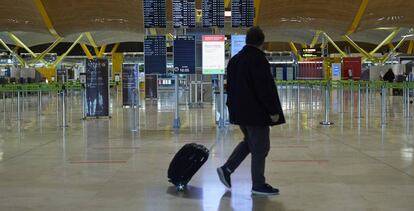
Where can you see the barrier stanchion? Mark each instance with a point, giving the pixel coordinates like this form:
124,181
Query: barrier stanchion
327,104
383,105
298,97
222,119
176,122
134,111
4,102
367,99
18,106
311,101
64,123
359,99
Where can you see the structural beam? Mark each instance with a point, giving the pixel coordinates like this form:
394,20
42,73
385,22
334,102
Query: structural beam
226,3
335,45
101,52
46,18
295,51
21,60
86,50
410,47
257,4
387,40
359,49
392,51
358,17
63,56
115,48
50,48
90,39
315,39
21,44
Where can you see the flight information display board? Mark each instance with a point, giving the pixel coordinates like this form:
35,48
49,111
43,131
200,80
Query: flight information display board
237,43
213,13
213,54
184,55
155,55
154,14
242,13
184,13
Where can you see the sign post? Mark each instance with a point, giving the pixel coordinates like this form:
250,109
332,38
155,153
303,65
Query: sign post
214,63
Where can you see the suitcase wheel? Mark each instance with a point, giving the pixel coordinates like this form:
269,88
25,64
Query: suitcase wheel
181,187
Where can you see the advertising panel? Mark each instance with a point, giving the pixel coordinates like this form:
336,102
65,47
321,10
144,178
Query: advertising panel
97,88
213,54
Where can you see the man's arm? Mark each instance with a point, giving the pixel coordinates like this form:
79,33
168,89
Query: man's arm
264,86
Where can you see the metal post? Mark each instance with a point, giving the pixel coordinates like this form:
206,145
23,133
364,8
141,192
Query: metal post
39,102
83,103
359,99
4,102
64,124
352,98
134,111
18,106
298,99
327,104
367,100
311,101
222,119
177,123
383,106
342,98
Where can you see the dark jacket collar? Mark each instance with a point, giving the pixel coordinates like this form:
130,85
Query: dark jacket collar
251,48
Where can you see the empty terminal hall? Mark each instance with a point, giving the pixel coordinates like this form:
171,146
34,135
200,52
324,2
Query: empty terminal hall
210,105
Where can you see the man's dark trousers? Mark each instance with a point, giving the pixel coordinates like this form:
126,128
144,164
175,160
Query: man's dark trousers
256,141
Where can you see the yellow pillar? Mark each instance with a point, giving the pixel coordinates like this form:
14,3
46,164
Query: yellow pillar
117,61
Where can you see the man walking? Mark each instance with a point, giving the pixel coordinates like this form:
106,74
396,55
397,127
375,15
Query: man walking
254,105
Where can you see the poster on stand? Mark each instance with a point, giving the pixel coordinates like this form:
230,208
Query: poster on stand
97,88
213,54
336,71
129,84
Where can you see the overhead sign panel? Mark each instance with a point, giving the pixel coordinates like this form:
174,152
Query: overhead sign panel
311,52
213,13
237,43
184,13
155,55
213,54
154,14
184,55
242,13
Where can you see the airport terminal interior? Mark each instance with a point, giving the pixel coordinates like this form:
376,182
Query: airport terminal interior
98,96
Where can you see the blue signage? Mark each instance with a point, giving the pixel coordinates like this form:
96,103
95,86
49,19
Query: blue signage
237,43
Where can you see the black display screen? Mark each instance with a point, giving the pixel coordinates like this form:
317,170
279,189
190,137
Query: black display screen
184,55
155,55
242,13
154,14
213,13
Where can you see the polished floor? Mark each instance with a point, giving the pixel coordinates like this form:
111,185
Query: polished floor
100,164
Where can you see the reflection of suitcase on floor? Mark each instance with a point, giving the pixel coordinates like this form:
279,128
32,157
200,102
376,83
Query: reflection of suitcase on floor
186,163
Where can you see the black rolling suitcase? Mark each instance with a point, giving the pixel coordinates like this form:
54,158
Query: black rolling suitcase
186,163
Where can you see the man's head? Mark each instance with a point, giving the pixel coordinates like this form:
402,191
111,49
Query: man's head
255,37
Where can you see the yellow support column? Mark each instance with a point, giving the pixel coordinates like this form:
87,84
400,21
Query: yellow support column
295,51
117,61
257,4
60,58
410,47
359,49
86,50
46,19
21,60
115,48
358,17
101,52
